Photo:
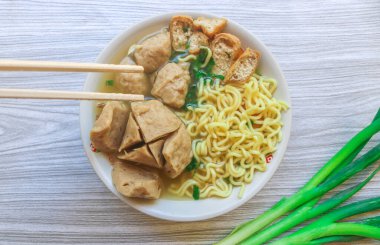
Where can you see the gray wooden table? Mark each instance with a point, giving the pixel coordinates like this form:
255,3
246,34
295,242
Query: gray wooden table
49,193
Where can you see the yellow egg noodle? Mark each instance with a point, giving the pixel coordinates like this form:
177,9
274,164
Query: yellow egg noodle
233,129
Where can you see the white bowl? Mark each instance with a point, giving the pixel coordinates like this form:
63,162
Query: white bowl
183,210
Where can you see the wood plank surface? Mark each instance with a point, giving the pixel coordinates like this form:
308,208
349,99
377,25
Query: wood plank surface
49,193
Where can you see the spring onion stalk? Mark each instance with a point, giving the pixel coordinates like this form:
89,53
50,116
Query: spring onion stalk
285,205
325,226
329,239
358,150
333,229
303,213
345,152
375,221
340,238
344,212
306,212
291,221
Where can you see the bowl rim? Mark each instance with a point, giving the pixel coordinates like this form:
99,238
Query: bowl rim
279,154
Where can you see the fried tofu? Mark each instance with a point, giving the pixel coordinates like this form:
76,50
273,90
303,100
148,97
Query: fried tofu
210,26
132,134
134,181
197,40
140,155
181,28
177,152
244,67
226,48
154,119
109,128
156,150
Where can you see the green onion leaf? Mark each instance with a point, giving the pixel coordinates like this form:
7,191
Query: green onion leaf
202,55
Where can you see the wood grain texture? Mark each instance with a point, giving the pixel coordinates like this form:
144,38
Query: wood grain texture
329,52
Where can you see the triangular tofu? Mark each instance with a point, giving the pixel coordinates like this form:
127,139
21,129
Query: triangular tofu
140,155
132,134
177,152
108,129
156,149
154,119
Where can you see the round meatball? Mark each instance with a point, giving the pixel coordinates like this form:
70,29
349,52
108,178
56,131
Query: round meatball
133,83
153,52
171,84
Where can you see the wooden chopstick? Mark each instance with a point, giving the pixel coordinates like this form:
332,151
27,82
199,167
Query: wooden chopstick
66,95
29,65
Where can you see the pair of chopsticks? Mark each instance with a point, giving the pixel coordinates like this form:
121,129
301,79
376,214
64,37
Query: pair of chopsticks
23,65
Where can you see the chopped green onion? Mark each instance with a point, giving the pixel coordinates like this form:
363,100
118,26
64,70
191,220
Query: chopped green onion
193,165
198,74
196,192
109,83
221,77
202,55
187,45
